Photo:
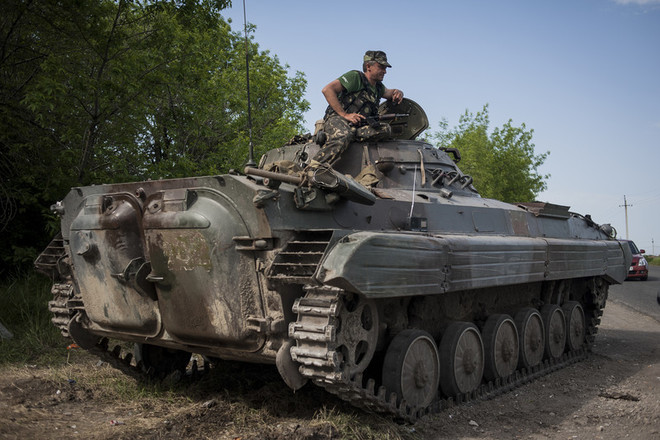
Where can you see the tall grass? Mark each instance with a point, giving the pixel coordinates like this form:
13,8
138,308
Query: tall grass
24,312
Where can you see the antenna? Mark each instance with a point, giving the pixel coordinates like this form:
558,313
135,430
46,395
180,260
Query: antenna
250,161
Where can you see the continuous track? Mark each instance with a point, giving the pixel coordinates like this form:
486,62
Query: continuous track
316,333
61,307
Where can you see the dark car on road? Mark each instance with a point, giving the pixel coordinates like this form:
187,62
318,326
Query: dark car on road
639,268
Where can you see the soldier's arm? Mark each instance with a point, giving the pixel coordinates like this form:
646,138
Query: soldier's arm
331,93
395,95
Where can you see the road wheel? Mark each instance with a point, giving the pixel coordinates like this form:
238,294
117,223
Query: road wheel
531,336
555,330
411,367
500,347
461,359
575,325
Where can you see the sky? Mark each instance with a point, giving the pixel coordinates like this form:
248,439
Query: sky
584,75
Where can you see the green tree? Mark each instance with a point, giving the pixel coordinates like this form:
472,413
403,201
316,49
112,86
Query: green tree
99,91
503,163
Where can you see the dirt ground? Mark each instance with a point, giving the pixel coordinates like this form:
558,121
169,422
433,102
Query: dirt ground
611,395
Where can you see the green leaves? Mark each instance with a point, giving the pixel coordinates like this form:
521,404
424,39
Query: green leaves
100,91
502,164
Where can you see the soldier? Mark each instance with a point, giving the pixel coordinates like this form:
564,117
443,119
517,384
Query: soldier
351,98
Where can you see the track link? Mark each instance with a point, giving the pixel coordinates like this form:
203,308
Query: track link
315,333
59,306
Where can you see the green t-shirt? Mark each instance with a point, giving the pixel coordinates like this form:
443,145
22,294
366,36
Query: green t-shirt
352,82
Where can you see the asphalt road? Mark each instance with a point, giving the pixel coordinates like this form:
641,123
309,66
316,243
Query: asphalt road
640,295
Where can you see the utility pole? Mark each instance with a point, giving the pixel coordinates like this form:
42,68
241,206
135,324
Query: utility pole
626,205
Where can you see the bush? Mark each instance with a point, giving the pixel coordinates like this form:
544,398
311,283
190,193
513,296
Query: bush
24,312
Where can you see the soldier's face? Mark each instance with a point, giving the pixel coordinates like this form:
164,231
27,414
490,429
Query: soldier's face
377,70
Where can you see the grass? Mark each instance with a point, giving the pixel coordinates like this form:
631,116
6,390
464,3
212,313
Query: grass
252,398
350,426
24,312
653,260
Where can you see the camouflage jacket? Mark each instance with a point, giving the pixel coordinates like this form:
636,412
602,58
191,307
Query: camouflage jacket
358,95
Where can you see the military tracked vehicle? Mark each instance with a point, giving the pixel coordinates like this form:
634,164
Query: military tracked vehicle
388,280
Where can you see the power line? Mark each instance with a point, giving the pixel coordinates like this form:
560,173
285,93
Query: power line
648,200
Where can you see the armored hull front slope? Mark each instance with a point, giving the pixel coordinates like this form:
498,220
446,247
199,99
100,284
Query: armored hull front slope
390,296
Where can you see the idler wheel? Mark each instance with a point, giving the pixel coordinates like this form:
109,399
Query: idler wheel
531,335
501,349
555,330
160,361
411,367
575,325
461,359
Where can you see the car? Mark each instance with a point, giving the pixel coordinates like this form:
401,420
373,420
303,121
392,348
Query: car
639,268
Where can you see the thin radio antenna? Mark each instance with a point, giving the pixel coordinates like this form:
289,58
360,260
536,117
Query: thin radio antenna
250,162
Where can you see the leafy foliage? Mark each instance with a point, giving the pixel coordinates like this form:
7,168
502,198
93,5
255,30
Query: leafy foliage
502,164
100,91
24,314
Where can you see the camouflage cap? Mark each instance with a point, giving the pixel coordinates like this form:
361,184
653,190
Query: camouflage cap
378,56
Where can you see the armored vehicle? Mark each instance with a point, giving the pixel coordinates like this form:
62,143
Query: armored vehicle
388,280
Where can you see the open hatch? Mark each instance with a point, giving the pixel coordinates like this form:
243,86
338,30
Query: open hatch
409,127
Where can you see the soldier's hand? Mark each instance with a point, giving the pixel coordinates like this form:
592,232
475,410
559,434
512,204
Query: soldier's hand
354,118
397,96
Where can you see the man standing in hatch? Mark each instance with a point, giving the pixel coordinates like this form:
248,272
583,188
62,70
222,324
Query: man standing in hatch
352,98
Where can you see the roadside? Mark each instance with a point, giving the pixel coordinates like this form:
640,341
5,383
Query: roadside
640,295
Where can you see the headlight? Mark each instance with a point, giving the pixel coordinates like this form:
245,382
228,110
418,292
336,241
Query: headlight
642,262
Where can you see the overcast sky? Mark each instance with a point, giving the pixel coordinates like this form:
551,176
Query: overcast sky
583,74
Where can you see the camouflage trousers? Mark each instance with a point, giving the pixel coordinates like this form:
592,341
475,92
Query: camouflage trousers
340,134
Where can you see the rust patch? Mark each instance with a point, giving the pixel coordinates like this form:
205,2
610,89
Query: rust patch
187,250
519,223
